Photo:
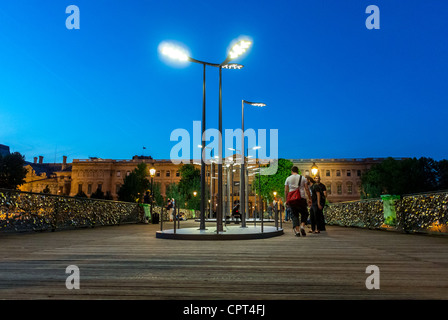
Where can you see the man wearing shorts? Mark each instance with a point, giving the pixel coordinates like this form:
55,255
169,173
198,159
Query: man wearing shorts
299,212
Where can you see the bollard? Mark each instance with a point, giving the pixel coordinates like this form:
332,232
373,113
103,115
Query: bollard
174,219
161,219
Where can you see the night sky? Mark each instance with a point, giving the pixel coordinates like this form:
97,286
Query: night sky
333,88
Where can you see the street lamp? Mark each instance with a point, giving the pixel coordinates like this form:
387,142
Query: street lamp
152,173
176,53
243,208
314,169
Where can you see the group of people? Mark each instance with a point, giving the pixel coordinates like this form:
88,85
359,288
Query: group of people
313,195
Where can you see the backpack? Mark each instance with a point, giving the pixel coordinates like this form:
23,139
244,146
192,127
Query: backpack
293,198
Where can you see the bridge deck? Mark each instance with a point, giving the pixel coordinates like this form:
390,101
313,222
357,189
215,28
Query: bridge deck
129,262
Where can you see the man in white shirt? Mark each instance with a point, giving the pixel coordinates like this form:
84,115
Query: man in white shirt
299,212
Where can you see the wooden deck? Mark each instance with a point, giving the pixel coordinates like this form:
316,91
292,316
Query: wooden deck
129,262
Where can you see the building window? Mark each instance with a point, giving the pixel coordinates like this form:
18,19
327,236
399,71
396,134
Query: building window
168,173
349,188
338,173
117,188
339,187
128,173
118,173
359,173
177,173
100,187
327,173
157,173
307,173
328,188
89,188
80,188
349,173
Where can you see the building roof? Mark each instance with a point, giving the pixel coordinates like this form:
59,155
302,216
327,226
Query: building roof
4,150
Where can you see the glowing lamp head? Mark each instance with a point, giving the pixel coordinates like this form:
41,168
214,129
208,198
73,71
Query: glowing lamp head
314,170
232,66
239,48
152,172
174,52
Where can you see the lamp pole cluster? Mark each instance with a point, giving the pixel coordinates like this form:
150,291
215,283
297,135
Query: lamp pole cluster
238,49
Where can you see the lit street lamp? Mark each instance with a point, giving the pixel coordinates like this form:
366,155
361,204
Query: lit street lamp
314,170
152,173
177,53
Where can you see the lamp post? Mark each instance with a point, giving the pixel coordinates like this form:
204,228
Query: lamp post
178,54
242,205
152,173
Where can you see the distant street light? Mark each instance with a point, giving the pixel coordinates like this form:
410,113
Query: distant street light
152,173
243,178
314,169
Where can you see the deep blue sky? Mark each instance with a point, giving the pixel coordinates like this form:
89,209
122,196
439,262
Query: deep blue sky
334,89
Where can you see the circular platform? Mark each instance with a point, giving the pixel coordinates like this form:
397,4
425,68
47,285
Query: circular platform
230,233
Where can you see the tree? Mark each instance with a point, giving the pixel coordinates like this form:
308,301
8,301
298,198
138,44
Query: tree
158,198
46,189
12,171
399,177
81,194
135,184
173,192
98,194
442,169
275,182
190,181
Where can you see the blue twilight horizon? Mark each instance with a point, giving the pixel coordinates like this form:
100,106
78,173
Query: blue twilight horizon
333,88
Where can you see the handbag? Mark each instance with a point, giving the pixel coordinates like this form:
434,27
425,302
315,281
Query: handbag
293,198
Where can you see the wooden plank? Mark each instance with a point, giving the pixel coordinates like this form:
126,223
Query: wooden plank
128,262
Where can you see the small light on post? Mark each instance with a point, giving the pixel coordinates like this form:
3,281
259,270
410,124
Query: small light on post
194,193
152,172
239,48
314,169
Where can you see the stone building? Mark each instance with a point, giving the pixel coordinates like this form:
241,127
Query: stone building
342,177
55,177
108,174
4,150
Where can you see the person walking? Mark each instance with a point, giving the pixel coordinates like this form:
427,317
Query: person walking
311,184
299,211
169,206
287,212
321,195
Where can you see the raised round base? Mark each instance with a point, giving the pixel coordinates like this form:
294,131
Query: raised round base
229,233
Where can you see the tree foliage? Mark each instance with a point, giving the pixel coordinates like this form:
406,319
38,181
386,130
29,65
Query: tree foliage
12,171
135,184
406,176
190,181
275,182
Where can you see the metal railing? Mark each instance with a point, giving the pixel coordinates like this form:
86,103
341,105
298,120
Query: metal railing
423,212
